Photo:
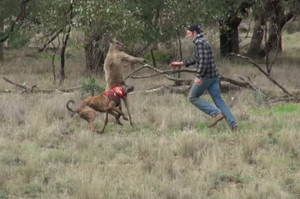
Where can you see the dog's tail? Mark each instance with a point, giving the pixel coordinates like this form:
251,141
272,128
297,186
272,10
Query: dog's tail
71,101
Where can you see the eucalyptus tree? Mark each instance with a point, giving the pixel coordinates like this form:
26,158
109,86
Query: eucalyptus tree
276,13
233,13
101,20
51,19
166,20
11,12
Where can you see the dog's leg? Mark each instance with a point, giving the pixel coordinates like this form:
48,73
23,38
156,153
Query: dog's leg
89,115
117,116
105,122
114,108
129,115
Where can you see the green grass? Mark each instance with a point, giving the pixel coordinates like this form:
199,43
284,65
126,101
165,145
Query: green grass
170,153
278,110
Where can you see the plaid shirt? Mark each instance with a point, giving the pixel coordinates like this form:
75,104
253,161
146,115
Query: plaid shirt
203,58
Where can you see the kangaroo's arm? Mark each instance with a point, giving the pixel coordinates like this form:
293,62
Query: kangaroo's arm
130,58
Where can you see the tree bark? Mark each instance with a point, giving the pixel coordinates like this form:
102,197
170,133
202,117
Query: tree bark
64,46
1,44
94,55
257,37
274,12
225,41
229,34
274,40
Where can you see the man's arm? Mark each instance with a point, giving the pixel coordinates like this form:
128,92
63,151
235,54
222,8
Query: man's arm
189,62
185,63
201,56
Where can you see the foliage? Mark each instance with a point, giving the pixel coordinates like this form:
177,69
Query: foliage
3,196
161,56
32,190
292,27
19,39
8,10
90,87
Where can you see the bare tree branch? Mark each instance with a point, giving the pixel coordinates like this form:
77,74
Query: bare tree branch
13,83
160,72
50,40
267,75
20,16
235,82
34,88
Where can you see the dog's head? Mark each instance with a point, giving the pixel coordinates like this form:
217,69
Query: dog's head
122,90
127,89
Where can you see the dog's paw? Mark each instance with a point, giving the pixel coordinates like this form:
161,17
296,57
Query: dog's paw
119,123
125,118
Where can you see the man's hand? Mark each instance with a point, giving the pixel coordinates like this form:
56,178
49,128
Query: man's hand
198,81
176,64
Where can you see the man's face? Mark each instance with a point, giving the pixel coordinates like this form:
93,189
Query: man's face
190,34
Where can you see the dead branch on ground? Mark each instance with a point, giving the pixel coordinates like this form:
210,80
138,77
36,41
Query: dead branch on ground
34,88
181,81
268,76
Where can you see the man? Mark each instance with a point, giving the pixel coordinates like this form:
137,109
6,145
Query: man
207,78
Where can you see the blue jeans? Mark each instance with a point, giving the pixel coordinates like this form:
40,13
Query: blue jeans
213,88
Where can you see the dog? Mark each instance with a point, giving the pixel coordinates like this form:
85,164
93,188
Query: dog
106,102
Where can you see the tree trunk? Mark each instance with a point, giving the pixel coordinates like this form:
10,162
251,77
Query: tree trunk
62,56
277,21
65,40
274,41
94,55
225,40
229,34
257,37
234,37
1,44
229,41
88,49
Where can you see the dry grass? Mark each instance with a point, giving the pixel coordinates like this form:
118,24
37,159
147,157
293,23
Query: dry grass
46,153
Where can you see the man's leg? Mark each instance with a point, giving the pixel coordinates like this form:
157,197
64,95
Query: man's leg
196,92
215,93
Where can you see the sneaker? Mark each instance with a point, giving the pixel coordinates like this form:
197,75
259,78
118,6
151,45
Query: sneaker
215,120
235,128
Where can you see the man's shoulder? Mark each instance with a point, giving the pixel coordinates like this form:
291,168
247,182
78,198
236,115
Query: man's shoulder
200,40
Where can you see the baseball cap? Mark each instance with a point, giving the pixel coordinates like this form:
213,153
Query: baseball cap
194,27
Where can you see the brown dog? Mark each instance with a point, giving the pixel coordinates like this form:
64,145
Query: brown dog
106,102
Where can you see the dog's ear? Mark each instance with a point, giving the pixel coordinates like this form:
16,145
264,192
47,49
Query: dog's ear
130,89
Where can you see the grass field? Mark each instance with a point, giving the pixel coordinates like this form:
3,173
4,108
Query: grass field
170,154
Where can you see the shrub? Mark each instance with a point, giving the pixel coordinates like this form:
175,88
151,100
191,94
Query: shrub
90,87
18,39
161,57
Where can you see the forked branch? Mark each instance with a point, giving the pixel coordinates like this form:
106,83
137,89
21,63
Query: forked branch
268,76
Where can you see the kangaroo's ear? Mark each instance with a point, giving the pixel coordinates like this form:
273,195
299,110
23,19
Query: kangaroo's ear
113,40
122,83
